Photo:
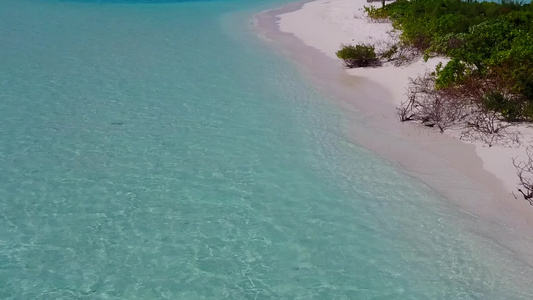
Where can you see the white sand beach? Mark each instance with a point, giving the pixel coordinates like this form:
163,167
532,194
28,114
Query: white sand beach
326,24
481,179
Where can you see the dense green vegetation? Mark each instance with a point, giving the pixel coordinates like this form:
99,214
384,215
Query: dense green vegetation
358,55
490,46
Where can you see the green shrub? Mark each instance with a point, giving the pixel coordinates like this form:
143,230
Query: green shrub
361,55
527,112
489,42
510,109
375,13
454,72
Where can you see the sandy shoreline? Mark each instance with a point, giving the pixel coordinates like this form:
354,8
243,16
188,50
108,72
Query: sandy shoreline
470,176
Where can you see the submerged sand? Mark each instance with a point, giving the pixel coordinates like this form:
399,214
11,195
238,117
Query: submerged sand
478,179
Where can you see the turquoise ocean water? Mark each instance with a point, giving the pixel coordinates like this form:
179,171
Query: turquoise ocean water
161,151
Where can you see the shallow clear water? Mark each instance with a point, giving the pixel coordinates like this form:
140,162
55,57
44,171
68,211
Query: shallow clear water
159,151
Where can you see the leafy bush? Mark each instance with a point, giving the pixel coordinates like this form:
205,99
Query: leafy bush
453,72
496,101
375,13
488,42
527,111
361,55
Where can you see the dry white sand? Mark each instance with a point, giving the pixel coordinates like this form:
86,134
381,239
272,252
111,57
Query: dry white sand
326,24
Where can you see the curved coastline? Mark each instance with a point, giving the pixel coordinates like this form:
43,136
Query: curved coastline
450,167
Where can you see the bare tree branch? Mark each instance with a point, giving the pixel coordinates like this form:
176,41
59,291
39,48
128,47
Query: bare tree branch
524,170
